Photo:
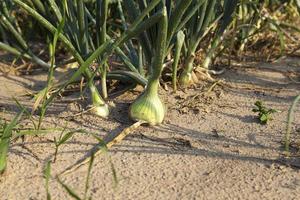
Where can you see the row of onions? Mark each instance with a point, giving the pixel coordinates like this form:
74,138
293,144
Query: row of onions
142,34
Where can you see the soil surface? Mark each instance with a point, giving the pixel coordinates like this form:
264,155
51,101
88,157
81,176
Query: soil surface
210,146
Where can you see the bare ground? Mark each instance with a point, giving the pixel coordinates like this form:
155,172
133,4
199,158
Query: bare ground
210,145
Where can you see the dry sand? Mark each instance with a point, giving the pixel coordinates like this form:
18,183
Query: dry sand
210,147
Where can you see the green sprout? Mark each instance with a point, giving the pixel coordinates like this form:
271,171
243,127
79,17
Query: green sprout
264,113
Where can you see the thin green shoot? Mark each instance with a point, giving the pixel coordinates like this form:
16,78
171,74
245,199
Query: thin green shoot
28,114
88,177
289,123
114,173
62,139
5,140
69,190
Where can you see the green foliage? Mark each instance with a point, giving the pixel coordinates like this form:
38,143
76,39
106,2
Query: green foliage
5,140
62,140
142,35
92,31
207,19
264,113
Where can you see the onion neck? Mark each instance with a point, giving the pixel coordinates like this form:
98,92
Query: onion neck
152,87
96,98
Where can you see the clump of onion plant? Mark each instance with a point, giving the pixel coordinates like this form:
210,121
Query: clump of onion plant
148,106
76,39
196,30
202,23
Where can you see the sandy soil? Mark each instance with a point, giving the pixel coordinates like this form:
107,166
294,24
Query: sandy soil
210,145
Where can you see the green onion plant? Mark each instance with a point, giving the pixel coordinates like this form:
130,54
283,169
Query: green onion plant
207,18
153,47
143,35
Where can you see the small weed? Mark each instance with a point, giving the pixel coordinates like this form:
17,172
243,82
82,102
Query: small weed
62,140
264,113
5,140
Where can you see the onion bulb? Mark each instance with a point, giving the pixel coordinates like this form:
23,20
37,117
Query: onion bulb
100,108
148,106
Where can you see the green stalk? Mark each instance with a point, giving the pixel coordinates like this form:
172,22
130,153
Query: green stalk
55,9
190,13
3,35
133,54
14,32
141,60
133,13
5,11
95,95
179,43
176,17
102,7
82,25
51,28
14,51
148,106
39,6
134,30
131,75
229,8
211,51
103,80
185,78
